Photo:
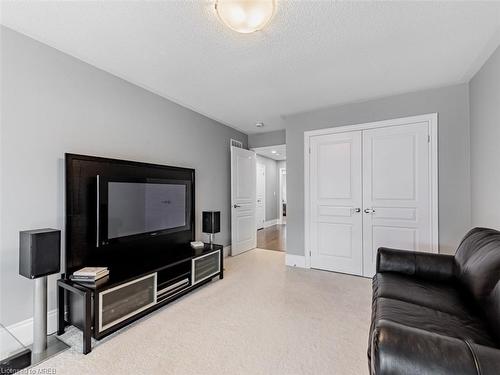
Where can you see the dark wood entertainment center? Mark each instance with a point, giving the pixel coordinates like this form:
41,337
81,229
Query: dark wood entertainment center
85,303
146,272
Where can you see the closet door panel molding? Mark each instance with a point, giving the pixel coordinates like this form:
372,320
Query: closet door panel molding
367,186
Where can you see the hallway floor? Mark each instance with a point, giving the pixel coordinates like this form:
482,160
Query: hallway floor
272,238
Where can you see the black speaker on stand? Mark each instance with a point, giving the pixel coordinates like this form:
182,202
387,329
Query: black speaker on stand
211,224
40,256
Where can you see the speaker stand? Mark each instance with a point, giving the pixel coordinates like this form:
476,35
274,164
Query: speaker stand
43,347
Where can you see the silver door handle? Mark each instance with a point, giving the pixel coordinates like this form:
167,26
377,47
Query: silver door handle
236,206
357,210
369,211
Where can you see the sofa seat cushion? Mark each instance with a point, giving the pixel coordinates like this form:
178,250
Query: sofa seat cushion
435,295
467,328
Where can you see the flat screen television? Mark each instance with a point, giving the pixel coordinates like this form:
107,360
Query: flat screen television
134,208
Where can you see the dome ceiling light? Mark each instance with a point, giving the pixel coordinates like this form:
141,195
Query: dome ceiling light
245,16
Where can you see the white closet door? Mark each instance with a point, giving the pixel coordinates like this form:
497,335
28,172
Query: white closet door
396,190
335,202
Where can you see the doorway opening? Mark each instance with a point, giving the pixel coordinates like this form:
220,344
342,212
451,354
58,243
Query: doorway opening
271,197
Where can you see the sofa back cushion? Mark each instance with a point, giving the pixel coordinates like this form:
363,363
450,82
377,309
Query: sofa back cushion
478,270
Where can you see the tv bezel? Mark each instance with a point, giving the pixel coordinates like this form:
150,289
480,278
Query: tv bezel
103,209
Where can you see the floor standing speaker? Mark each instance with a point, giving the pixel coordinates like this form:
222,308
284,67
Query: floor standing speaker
39,256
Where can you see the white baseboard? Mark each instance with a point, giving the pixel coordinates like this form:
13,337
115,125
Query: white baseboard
295,260
23,330
270,223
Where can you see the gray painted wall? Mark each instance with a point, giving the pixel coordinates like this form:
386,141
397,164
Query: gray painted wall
451,104
274,138
52,104
271,187
485,136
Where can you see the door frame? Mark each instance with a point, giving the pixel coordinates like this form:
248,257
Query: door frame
432,121
280,195
257,163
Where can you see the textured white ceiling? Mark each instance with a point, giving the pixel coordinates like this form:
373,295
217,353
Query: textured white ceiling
313,54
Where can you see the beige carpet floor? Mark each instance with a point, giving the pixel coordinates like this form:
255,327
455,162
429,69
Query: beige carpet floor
262,318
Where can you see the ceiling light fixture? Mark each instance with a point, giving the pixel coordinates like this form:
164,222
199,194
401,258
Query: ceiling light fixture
273,151
245,16
259,124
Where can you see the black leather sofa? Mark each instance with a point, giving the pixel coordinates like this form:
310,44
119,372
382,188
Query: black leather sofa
438,314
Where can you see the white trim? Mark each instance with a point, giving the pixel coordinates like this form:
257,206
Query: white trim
431,119
121,286
23,330
434,180
226,250
270,223
295,261
307,214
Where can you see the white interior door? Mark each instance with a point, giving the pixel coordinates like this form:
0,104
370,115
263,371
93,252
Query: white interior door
396,190
261,196
335,203
243,186
282,201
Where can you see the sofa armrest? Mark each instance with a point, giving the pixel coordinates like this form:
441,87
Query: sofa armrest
436,267
488,359
399,349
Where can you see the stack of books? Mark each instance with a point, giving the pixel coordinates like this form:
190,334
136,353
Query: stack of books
91,275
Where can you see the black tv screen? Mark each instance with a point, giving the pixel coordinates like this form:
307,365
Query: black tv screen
135,208
143,207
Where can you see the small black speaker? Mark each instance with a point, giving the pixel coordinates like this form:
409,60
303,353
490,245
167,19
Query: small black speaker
39,252
211,222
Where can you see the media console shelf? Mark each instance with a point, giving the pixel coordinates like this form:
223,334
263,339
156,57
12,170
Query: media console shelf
134,290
